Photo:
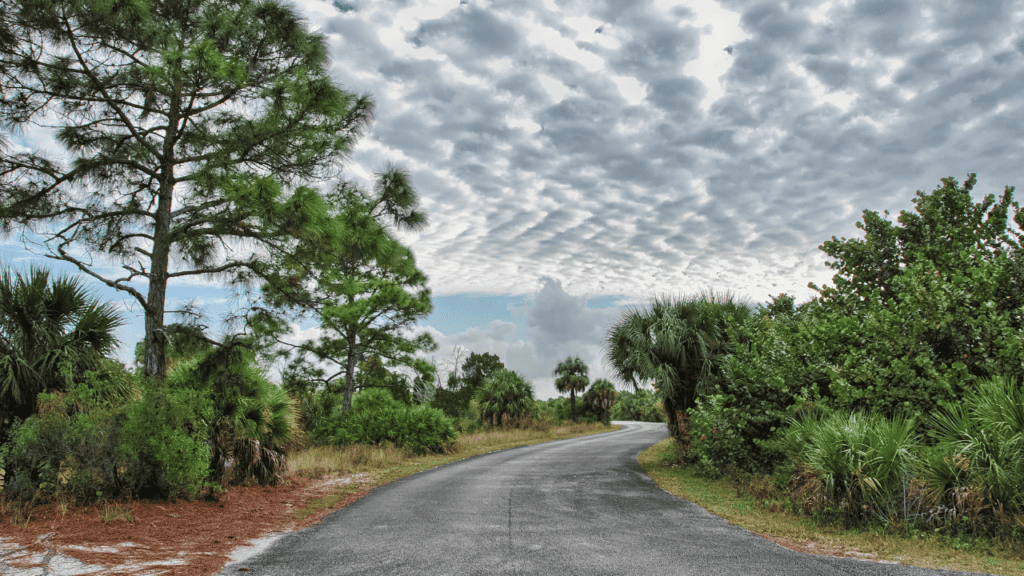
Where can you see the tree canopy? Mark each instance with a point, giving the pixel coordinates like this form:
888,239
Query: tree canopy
571,377
191,133
364,291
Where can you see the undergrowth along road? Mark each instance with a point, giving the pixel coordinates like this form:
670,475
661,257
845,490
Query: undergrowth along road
723,498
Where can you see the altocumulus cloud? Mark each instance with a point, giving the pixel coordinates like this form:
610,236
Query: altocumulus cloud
620,148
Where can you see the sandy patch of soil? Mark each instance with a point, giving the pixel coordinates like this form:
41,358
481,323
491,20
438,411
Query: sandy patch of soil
187,538
809,547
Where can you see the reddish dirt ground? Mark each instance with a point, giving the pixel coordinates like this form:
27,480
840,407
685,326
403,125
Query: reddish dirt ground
187,538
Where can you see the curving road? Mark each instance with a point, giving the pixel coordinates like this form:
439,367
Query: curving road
578,506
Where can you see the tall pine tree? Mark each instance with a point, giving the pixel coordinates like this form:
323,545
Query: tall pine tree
189,129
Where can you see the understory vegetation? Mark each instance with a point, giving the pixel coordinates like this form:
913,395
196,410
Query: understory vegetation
891,401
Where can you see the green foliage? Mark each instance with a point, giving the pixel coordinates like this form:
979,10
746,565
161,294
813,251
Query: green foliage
600,399
505,398
376,417
554,409
164,443
639,406
863,461
46,323
920,311
454,400
188,126
110,435
980,445
251,420
571,377
771,372
679,345
721,440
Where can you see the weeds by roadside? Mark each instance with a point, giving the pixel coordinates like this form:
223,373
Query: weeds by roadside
386,462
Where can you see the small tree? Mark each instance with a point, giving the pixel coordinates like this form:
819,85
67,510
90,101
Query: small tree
600,398
572,378
365,290
504,397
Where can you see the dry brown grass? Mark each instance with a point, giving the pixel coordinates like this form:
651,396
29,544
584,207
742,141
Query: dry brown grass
387,462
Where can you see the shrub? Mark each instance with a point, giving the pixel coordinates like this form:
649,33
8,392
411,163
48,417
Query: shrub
71,444
639,406
164,443
720,440
505,397
863,462
250,421
376,417
980,446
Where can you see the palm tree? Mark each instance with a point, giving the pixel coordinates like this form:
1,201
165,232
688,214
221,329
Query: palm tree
572,377
504,396
47,326
678,344
601,396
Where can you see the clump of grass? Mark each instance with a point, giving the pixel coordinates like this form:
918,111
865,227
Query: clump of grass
17,512
112,511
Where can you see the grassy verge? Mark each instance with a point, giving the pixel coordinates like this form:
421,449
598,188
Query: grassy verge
383,464
916,548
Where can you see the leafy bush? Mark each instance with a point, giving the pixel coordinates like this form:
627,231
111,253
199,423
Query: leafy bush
863,462
980,446
251,420
71,445
922,309
164,443
554,409
639,406
376,417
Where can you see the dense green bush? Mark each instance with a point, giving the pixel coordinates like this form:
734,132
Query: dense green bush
251,420
505,398
164,445
980,447
554,409
110,435
376,417
639,406
864,462
922,309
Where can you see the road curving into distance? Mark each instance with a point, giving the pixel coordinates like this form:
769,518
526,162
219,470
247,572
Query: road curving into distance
577,506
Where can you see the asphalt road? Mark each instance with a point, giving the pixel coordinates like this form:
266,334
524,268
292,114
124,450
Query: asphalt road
578,506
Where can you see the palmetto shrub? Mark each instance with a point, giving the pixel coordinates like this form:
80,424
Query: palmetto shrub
980,451
251,420
863,462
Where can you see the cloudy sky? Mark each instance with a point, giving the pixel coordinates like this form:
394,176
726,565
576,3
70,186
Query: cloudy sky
576,156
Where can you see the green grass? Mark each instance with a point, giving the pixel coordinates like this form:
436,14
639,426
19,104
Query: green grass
387,463
916,548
